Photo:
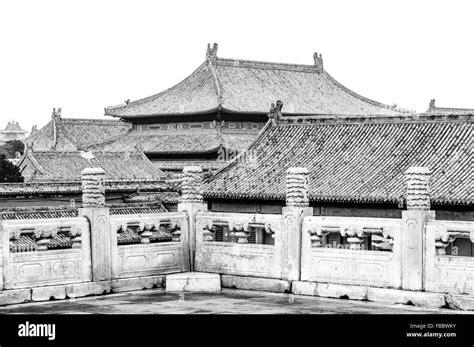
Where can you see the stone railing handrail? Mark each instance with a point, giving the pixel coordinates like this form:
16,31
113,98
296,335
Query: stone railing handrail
239,223
354,228
35,225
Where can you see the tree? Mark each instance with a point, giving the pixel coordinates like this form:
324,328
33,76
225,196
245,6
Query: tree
11,147
8,171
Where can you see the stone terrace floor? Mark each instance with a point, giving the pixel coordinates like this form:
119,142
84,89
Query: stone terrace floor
228,301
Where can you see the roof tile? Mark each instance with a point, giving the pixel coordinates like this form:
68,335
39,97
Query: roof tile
361,160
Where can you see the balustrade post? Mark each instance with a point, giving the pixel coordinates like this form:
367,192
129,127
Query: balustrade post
191,202
297,207
413,226
103,239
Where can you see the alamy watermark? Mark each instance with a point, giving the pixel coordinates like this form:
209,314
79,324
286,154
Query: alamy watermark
37,330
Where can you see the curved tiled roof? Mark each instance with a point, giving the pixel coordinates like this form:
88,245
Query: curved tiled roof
244,86
359,159
68,166
70,134
185,141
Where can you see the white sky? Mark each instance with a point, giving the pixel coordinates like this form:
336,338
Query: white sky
85,55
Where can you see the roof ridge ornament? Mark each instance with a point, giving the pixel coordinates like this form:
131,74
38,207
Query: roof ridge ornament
275,112
56,114
211,53
318,62
432,106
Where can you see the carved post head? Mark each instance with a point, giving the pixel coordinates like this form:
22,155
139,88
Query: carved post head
418,188
192,184
93,189
297,186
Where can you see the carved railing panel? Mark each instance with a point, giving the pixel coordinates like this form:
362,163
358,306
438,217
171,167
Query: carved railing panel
352,263
236,255
148,228
45,251
453,272
151,243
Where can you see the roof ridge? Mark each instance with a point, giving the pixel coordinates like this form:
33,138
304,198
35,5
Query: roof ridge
371,119
36,164
246,63
216,83
94,120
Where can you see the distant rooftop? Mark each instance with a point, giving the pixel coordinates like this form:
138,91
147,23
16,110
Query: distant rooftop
13,128
248,87
71,134
68,166
432,108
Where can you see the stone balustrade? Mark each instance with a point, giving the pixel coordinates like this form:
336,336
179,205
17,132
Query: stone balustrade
240,256
354,260
412,253
45,251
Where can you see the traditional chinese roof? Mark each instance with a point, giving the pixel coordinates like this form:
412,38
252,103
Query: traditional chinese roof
248,87
13,128
68,166
356,159
71,134
433,109
179,142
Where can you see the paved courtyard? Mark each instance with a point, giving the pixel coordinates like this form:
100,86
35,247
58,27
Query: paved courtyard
228,301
